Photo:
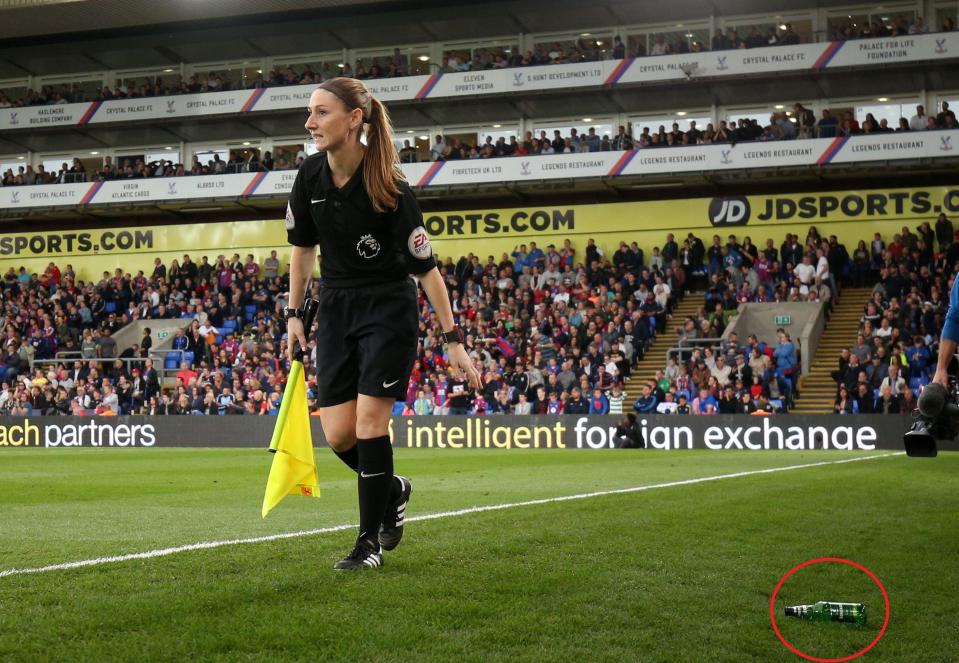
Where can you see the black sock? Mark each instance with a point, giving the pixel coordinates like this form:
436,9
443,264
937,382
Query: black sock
351,457
374,483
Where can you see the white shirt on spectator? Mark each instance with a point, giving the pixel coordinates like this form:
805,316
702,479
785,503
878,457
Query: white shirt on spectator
919,122
721,374
895,387
822,268
546,276
666,407
805,273
437,151
206,329
662,293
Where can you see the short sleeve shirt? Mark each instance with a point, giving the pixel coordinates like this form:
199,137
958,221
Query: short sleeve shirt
358,246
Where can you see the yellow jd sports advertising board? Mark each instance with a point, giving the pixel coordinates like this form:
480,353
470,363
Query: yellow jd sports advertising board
850,215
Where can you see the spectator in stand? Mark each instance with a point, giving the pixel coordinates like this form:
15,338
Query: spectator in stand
919,121
439,149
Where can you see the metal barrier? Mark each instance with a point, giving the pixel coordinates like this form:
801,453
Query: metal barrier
693,344
158,357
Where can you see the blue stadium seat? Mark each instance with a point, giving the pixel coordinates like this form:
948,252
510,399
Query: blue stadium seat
250,310
110,307
189,357
219,339
229,325
170,361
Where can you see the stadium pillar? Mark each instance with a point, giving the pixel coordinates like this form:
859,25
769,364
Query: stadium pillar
928,100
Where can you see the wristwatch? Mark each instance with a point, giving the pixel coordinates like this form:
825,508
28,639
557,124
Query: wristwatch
290,312
455,335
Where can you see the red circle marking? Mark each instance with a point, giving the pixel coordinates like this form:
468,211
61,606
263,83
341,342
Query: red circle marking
820,560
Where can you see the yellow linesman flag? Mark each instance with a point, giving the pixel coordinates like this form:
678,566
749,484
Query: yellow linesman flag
294,466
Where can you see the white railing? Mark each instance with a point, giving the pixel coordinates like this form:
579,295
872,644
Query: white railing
775,154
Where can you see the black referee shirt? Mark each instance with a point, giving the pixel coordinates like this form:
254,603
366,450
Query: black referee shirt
358,246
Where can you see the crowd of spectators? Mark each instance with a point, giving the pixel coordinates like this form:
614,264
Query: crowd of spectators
554,331
801,123
248,161
710,374
56,316
897,345
895,27
582,49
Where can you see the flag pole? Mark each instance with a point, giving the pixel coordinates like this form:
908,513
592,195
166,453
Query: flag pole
308,314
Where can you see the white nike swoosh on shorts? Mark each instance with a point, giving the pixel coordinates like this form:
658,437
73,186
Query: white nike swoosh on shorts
364,475
387,385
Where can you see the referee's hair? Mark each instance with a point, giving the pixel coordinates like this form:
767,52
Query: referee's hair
381,167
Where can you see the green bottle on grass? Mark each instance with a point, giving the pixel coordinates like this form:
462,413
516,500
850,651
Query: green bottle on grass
830,611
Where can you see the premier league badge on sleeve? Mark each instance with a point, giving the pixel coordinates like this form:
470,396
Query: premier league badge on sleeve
290,221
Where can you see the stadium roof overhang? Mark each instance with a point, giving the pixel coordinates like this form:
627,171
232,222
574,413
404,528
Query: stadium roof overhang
75,37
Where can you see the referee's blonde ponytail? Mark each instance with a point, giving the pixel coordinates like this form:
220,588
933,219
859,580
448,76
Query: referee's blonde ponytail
381,164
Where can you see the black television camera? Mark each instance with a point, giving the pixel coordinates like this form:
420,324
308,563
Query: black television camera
937,416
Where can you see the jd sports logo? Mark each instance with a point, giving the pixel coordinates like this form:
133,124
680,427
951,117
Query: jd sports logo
729,211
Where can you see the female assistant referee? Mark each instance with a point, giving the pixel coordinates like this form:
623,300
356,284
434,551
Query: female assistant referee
352,200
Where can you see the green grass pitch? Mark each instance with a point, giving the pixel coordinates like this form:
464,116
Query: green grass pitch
674,574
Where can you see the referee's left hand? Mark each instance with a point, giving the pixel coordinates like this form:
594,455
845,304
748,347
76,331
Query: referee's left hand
462,365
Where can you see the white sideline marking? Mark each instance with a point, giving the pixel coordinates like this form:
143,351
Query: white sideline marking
162,552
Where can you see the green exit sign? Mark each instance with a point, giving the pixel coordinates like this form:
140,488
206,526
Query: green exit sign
783,320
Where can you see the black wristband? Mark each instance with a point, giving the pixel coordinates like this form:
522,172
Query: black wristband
455,335
290,312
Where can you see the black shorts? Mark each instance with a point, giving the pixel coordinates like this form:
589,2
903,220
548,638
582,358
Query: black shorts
366,341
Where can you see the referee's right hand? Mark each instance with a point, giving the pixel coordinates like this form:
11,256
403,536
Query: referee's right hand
295,337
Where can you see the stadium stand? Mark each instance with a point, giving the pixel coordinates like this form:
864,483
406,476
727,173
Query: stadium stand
555,331
790,125
585,48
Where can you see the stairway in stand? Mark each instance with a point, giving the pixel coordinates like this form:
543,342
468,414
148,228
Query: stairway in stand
817,390
656,353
